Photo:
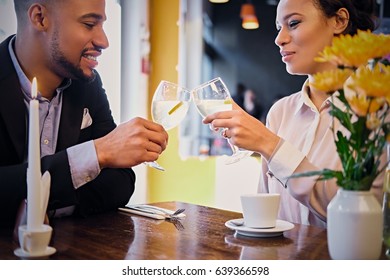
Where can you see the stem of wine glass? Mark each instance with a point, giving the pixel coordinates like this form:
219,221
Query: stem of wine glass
237,154
233,147
155,165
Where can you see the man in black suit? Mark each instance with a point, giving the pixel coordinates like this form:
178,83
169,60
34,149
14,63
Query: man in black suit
89,158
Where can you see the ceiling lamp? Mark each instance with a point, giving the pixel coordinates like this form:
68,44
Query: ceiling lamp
219,1
250,22
248,15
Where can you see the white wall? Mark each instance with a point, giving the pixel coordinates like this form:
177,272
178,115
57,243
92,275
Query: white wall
134,83
110,62
190,70
7,19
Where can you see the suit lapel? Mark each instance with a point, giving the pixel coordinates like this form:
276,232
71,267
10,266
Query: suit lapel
12,107
14,112
71,117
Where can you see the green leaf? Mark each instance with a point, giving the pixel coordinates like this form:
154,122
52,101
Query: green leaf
343,117
324,174
342,147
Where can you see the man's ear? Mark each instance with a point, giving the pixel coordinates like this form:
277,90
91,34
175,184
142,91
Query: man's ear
37,16
341,21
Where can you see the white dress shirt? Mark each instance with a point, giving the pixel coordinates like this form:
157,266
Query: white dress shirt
307,144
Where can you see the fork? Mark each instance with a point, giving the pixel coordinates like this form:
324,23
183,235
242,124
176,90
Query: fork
152,209
175,218
177,223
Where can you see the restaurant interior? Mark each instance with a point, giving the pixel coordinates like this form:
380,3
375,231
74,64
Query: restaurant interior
189,42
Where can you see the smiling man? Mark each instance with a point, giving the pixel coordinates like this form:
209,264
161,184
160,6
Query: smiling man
89,158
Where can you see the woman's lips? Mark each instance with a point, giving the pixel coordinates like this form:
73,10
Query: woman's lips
286,55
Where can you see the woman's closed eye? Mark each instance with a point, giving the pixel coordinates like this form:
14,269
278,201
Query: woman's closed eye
293,23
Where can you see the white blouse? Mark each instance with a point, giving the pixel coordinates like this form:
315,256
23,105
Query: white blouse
307,144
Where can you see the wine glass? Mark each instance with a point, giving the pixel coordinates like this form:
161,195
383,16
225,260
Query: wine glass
170,104
211,97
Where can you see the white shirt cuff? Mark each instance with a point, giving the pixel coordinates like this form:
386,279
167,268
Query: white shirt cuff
284,162
83,162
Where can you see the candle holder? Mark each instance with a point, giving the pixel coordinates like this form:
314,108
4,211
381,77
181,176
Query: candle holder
34,243
34,240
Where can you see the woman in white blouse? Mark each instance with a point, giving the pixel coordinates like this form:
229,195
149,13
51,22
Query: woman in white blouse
297,137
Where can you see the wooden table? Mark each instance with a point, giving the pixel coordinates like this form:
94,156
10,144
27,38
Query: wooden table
201,235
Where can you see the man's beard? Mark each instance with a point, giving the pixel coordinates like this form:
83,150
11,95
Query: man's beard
63,67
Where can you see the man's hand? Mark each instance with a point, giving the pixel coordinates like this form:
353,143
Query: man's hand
131,143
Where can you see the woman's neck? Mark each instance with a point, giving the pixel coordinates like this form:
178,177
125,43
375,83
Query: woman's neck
316,96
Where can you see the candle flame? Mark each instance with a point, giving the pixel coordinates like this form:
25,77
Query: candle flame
34,88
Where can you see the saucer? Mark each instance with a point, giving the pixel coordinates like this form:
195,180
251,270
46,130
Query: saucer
26,255
281,226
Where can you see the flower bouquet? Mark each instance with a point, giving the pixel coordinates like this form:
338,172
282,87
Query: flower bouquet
360,90
361,83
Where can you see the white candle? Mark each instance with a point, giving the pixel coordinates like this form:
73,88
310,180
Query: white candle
34,164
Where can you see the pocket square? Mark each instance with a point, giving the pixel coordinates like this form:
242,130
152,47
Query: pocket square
87,120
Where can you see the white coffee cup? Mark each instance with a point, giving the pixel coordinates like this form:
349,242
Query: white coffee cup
36,241
260,210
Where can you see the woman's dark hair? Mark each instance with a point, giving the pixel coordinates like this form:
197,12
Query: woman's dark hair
361,13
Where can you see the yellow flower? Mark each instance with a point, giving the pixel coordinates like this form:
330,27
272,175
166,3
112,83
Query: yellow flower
354,51
373,122
329,55
330,81
356,91
380,43
363,105
372,82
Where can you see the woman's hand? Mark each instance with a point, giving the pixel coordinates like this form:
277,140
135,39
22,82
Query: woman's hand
244,131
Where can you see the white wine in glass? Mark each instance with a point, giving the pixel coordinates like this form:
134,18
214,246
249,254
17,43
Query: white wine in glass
170,104
211,97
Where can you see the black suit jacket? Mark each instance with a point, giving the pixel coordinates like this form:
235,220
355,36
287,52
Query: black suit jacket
112,188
